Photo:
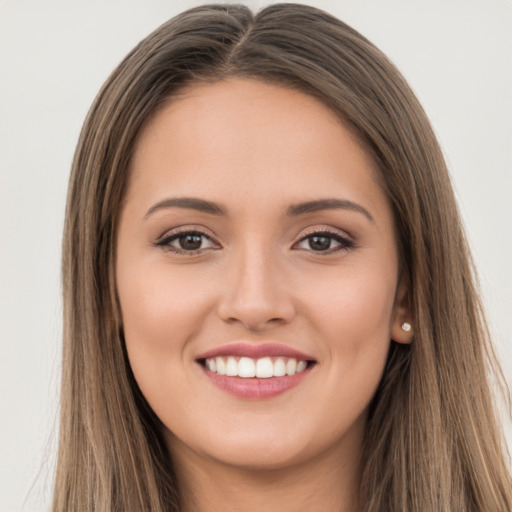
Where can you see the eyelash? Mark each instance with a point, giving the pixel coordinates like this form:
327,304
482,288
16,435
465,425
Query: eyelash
345,243
165,243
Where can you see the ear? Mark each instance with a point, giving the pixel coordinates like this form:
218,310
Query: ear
402,326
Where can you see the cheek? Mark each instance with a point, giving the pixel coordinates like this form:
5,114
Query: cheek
159,306
357,303
353,317
353,323
161,313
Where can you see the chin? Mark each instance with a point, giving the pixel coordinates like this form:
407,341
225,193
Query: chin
260,449
252,461
264,457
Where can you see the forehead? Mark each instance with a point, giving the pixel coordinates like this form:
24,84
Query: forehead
247,137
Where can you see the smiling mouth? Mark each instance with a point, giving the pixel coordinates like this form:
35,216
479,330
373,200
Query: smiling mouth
256,371
250,368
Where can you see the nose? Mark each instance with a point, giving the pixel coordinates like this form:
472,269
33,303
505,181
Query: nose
255,294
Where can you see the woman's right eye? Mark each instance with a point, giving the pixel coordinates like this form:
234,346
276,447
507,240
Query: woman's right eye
186,242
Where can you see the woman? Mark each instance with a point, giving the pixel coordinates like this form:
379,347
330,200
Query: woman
268,295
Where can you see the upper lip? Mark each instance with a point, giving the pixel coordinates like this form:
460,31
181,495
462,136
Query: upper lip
255,351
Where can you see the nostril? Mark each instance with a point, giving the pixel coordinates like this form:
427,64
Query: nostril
256,302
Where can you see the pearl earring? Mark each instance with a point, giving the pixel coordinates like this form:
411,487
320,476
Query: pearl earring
406,326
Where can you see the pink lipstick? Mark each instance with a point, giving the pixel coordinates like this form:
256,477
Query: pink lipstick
255,351
255,371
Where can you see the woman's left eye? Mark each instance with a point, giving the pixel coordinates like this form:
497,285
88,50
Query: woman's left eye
186,242
324,241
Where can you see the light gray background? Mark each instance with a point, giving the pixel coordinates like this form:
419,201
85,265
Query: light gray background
54,55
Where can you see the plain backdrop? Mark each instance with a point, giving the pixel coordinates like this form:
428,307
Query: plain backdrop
54,55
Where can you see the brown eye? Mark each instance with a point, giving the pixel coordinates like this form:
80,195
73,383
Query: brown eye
190,242
319,243
187,242
325,241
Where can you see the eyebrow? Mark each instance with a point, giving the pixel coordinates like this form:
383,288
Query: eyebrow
191,203
328,204
202,205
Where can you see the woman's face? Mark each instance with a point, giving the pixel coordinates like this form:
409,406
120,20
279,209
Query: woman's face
257,273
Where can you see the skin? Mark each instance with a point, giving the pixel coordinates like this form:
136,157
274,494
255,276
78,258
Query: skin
256,149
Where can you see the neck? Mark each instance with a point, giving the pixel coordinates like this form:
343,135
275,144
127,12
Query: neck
329,482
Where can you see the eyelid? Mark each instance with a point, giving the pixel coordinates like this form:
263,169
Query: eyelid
164,240
185,228
325,228
346,241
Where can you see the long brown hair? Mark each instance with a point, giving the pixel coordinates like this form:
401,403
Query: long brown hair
432,441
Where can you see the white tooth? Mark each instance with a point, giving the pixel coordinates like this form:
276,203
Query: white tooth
264,368
301,366
279,367
246,367
291,366
210,364
221,366
231,367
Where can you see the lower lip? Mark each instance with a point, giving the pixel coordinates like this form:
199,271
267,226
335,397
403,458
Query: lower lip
254,388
